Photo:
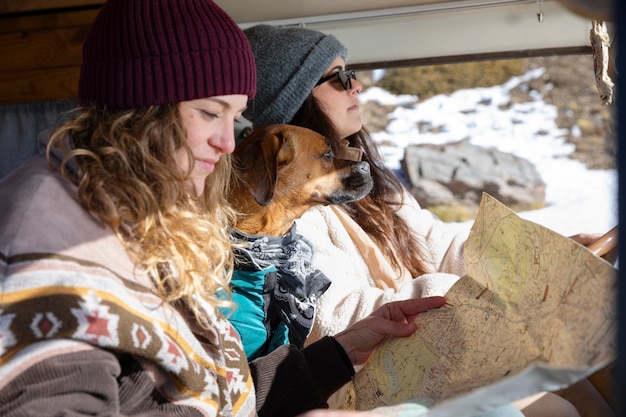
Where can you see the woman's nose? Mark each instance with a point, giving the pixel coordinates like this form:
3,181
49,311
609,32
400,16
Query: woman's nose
225,141
357,87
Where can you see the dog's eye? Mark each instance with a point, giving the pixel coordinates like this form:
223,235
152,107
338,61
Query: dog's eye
329,155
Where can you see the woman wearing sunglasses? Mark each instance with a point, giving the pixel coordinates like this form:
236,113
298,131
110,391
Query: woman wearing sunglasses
385,246
385,239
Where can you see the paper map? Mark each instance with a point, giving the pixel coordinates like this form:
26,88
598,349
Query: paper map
535,312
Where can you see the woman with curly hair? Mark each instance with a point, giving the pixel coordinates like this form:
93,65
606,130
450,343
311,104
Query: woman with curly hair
115,255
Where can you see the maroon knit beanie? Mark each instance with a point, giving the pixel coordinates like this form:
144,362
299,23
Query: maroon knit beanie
148,52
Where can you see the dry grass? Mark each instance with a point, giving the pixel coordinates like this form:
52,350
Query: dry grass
428,81
453,213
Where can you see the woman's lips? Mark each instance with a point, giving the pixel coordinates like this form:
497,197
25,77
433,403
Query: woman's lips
207,164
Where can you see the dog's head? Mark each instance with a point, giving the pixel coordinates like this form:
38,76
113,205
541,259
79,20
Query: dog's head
296,168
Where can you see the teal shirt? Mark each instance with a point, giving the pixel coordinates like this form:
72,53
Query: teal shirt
260,330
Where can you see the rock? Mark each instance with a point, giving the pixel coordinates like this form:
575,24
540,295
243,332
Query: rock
457,174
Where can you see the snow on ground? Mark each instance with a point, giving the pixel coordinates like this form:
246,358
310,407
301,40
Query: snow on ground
577,199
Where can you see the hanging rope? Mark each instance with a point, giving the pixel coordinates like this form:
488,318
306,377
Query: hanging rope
600,42
540,13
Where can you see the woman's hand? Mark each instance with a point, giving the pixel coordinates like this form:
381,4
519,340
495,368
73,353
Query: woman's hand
585,239
604,245
392,319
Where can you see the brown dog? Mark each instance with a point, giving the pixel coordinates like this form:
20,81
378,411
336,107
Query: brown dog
285,170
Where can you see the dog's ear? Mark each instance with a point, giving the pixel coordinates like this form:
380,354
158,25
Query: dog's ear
259,165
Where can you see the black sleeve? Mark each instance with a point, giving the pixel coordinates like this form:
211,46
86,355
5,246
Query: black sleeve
289,381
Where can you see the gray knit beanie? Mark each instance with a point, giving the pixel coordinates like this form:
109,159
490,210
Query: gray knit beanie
289,62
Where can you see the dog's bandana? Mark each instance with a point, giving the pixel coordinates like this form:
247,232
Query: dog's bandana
292,292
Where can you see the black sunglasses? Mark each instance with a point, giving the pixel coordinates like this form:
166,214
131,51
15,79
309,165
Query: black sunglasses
345,78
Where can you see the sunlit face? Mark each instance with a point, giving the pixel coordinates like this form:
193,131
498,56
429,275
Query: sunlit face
340,106
209,123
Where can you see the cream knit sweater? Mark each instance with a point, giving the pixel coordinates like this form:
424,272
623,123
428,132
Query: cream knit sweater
362,279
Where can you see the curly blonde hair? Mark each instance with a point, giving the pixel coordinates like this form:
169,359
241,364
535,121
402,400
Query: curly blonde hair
128,177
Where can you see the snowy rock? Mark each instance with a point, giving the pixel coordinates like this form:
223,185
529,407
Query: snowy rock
457,173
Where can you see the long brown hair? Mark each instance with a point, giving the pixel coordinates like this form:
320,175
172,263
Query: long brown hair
377,213
124,164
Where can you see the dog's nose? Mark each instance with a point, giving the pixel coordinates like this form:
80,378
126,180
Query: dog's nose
361,167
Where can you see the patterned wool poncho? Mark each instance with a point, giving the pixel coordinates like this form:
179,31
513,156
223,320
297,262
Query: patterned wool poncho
68,287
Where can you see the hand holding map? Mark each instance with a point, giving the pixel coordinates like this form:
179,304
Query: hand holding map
535,312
